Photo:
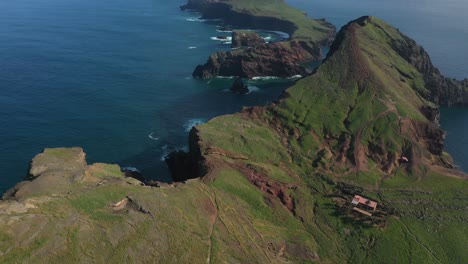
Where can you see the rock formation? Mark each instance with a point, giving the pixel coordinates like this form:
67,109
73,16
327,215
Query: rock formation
242,38
282,59
239,87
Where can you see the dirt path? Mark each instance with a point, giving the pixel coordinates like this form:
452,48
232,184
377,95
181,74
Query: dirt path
418,242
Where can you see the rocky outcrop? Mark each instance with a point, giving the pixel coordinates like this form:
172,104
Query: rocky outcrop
275,59
282,59
242,38
58,171
239,87
441,90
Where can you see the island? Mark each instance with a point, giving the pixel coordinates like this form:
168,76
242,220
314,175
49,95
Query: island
348,166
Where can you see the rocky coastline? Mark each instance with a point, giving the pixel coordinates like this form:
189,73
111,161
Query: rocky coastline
274,183
254,58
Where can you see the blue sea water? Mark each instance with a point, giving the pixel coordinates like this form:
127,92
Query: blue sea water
111,76
115,76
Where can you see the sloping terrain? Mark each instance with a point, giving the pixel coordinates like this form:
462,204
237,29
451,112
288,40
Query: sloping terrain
276,181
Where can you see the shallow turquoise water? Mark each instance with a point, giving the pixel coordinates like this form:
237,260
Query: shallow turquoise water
115,77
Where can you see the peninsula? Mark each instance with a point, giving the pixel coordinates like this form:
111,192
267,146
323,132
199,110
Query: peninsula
284,58
347,166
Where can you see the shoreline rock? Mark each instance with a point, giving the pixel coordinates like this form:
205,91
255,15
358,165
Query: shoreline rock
242,38
239,87
282,59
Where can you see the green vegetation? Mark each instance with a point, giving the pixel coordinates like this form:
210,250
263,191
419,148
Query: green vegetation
278,185
307,29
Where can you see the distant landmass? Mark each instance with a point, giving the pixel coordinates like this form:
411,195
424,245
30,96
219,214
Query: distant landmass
284,58
347,166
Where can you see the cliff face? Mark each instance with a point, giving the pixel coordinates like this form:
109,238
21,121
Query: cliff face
274,59
242,38
442,90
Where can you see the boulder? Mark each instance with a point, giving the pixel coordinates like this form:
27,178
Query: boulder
242,38
239,86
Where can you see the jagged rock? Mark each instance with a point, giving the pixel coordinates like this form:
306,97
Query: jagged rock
276,59
281,59
245,39
181,165
134,173
440,89
239,87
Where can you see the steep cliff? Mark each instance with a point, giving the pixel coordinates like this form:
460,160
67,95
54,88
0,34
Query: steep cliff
280,59
243,38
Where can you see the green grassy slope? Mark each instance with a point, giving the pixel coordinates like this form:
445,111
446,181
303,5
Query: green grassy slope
307,29
341,131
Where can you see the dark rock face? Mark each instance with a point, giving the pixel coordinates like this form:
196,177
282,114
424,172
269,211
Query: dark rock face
280,59
239,87
274,59
181,165
443,91
246,39
133,173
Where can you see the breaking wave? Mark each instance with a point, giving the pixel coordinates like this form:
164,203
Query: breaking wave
193,122
151,136
261,78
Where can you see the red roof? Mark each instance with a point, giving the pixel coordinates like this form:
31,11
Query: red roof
364,201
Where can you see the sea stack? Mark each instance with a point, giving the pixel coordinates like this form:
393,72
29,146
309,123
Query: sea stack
239,86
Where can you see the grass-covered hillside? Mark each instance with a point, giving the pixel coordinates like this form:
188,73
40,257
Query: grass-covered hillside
304,28
277,181
341,131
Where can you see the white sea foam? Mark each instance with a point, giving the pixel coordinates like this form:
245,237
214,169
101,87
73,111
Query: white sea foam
267,38
227,42
224,31
130,169
152,136
295,77
253,88
194,19
198,19
222,39
193,122
165,152
224,77
192,47
263,78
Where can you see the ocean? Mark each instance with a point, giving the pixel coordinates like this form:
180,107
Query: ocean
114,77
